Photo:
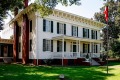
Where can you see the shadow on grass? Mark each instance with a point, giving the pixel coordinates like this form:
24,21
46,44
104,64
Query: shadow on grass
23,72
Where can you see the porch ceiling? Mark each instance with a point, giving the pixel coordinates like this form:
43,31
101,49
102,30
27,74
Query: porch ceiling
75,38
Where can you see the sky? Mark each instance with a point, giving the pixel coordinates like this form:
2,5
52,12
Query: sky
86,9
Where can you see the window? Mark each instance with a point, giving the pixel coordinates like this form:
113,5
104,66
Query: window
47,45
85,33
30,45
59,46
86,48
47,26
74,31
93,34
30,25
19,47
61,28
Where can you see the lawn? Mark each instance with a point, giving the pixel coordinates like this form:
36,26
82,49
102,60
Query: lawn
25,72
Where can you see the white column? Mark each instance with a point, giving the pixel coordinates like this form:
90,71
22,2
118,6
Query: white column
62,50
79,48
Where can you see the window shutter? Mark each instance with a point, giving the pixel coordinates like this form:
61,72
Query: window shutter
31,26
96,48
83,48
88,33
72,30
51,45
65,29
96,34
88,48
83,32
57,46
51,26
44,24
77,31
91,34
57,27
64,46
44,45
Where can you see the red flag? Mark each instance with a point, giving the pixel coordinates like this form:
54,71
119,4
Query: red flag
106,13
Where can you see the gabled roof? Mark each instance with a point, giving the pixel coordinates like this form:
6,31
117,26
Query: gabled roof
62,14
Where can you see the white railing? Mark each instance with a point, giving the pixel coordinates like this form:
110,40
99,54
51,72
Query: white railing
69,55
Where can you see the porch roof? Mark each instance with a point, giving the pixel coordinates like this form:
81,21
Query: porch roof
6,41
76,38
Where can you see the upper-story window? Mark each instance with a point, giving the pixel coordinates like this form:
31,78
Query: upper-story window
47,25
47,45
93,34
30,25
74,31
85,33
61,28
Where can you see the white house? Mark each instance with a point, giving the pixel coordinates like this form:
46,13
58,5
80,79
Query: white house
63,37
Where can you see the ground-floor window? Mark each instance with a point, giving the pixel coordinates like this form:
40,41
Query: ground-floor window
59,46
85,48
47,45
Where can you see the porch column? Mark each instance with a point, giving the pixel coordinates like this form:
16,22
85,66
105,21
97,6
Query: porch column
62,50
79,48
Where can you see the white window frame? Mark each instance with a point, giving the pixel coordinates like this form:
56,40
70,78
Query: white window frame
74,31
61,28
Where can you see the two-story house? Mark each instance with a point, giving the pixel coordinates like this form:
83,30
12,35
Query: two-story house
61,36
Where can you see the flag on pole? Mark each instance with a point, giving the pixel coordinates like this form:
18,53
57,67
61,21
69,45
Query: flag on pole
106,13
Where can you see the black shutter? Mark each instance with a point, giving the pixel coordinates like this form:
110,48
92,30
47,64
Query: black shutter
83,48
88,48
31,26
96,34
64,46
77,31
65,29
51,26
88,33
57,46
44,25
83,32
91,34
44,44
96,48
72,30
51,45
57,27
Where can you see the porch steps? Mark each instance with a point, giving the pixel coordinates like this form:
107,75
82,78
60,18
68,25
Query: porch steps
93,62
99,61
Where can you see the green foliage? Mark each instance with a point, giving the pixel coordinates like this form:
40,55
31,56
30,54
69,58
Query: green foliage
45,7
6,5
113,24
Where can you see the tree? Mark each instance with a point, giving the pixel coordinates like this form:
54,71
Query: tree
6,5
113,22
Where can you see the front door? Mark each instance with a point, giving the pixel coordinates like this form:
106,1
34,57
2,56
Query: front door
74,48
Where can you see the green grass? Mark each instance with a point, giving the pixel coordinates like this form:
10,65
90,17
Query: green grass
24,72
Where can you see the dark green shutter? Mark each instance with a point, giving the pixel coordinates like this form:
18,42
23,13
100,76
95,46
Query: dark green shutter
88,48
51,45
31,26
96,48
72,30
96,34
65,29
83,32
88,33
57,27
44,45
83,48
44,24
57,46
77,31
51,26
64,46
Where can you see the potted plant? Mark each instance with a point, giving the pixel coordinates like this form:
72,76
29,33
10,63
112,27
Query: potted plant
87,57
